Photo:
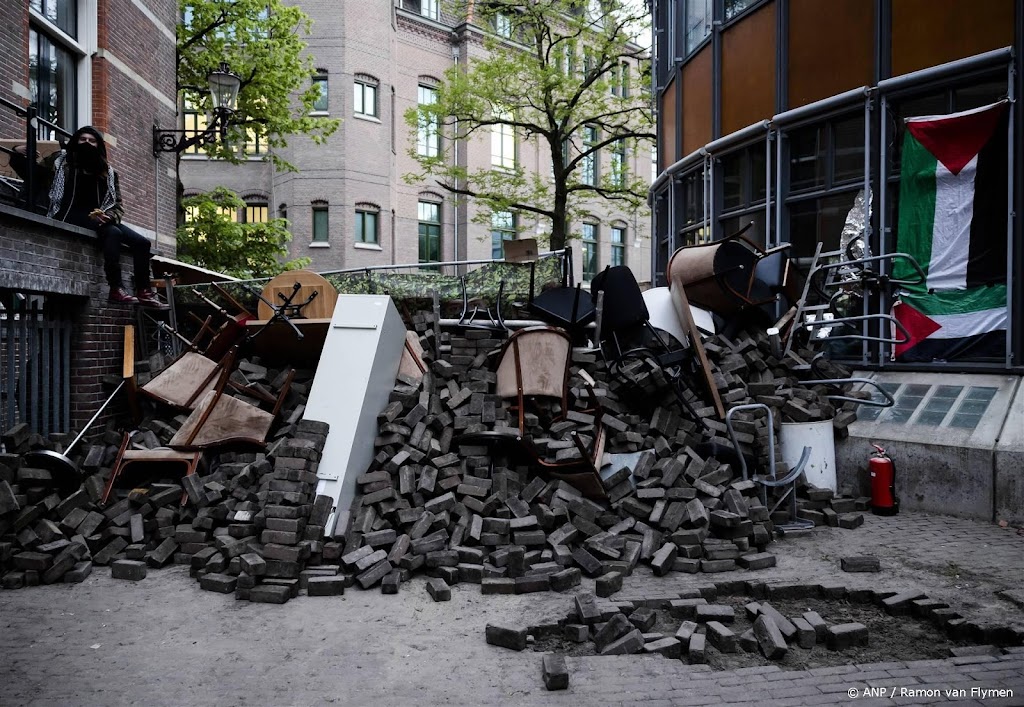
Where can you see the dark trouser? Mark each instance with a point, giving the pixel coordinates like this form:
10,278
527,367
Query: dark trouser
111,237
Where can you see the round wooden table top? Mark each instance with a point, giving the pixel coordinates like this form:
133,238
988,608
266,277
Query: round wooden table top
322,307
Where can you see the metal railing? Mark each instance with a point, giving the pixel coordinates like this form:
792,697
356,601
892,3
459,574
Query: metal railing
33,122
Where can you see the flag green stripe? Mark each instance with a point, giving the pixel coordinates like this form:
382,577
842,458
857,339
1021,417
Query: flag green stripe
917,208
975,299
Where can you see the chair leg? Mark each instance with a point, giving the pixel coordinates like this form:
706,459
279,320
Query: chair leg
116,471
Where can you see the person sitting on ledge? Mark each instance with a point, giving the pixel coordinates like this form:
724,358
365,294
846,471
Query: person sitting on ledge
85,191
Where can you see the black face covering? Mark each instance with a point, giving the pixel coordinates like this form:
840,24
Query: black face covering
88,157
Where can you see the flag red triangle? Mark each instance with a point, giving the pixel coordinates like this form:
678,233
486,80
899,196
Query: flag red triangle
919,326
954,140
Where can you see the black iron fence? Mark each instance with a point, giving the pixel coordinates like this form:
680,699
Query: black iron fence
35,361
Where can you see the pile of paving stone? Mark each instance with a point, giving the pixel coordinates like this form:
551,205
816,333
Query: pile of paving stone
463,512
627,627
247,522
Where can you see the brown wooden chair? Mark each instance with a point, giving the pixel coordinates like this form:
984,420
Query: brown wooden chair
185,381
220,419
187,463
535,362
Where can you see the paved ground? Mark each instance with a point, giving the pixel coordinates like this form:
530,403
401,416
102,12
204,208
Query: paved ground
163,641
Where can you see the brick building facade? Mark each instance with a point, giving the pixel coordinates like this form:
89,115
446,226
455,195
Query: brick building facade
110,64
391,50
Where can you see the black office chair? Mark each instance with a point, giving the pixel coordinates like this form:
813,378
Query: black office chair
625,334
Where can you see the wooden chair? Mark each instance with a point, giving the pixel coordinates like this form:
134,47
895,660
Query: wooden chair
186,380
222,419
187,461
535,362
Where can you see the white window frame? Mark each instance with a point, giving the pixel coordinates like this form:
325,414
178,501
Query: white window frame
503,141
84,47
428,132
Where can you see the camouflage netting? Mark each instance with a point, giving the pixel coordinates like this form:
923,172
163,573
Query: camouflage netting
413,291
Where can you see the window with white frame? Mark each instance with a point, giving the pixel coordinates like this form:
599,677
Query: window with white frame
428,133
367,224
618,163
320,105
426,8
366,96
58,47
503,145
255,144
501,23
617,237
590,260
503,228
588,165
195,121
620,80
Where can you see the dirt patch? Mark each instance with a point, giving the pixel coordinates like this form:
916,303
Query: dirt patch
889,637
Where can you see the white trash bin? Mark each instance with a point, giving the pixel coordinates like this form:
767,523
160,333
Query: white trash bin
820,437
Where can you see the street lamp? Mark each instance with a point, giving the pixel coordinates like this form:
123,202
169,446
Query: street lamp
224,85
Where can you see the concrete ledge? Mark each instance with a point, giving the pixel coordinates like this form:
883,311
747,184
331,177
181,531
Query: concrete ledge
971,473
1009,464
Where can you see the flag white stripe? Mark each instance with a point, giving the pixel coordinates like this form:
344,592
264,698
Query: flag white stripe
951,228
957,326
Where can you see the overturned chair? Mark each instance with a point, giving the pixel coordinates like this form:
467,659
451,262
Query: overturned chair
535,362
625,335
731,274
771,480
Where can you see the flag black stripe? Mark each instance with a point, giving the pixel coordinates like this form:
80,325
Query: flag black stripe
986,258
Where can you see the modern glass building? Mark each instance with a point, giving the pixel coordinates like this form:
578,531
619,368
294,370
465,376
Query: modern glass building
781,112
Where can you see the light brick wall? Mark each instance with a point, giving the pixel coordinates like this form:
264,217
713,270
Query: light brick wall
365,161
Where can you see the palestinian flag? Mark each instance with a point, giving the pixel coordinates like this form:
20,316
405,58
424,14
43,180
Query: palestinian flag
952,220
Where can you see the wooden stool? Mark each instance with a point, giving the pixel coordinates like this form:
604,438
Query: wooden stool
125,457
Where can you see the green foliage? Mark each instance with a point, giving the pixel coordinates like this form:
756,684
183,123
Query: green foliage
558,70
212,239
261,41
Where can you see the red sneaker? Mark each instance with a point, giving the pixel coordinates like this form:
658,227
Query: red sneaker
149,298
119,295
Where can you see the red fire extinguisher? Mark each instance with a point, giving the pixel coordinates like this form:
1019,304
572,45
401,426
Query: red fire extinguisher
884,501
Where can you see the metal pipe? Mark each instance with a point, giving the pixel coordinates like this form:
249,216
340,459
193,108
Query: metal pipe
93,419
867,212
675,168
405,266
749,133
768,192
817,109
883,201
1010,186
942,71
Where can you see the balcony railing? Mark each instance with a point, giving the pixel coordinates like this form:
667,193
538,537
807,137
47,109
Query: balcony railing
25,192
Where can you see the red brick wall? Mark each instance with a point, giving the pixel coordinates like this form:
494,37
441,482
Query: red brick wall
14,66
40,255
133,88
